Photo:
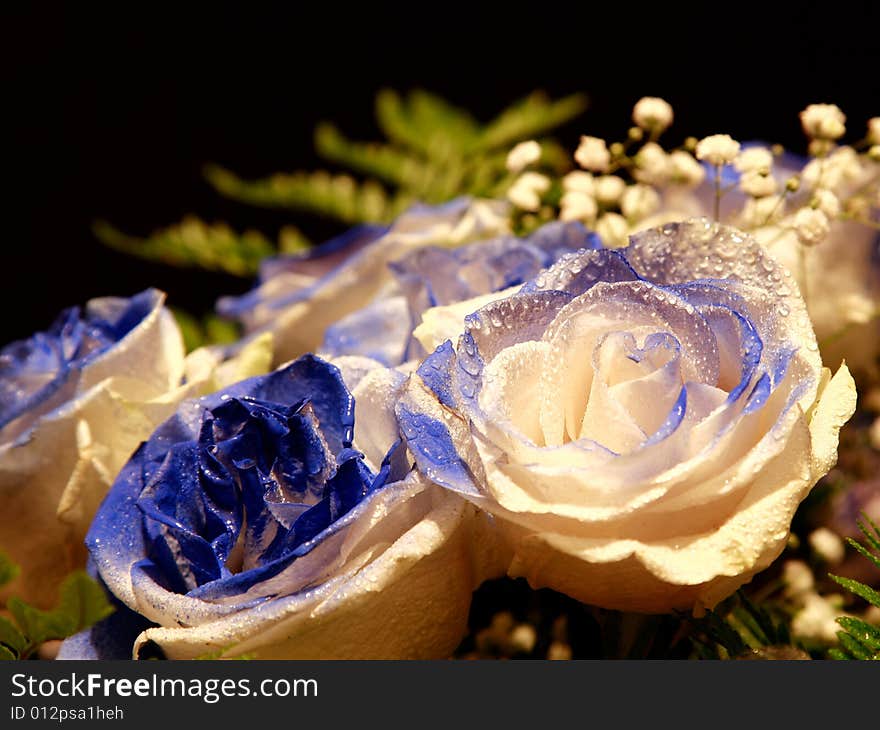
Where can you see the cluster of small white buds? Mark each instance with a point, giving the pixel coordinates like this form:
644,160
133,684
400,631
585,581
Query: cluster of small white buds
757,184
523,155
592,154
576,205
837,170
578,202
684,169
608,189
580,181
717,149
652,164
811,226
652,114
614,230
874,130
827,202
823,121
638,202
757,212
754,159
527,189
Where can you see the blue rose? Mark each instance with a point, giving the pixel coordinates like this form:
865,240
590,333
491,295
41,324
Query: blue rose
435,276
642,422
265,519
75,401
299,297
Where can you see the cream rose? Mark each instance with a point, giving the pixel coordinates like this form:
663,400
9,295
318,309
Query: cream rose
642,422
76,402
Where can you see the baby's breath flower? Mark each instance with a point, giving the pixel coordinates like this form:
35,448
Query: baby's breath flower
577,206
827,545
608,189
817,619
757,184
639,201
820,147
613,229
827,202
523,155
527,189
652,164
592,154
840,167
823,121
717,149
874,130
811,226
761,211
684,169
754,159
652,114
798,577
580,181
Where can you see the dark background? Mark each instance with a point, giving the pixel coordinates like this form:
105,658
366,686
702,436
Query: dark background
111,112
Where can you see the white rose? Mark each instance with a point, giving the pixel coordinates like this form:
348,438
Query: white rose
78,400
642,422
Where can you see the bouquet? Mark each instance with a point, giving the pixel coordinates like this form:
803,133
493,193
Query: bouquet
612,380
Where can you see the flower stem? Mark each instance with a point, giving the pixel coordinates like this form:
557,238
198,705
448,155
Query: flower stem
717,192
802,267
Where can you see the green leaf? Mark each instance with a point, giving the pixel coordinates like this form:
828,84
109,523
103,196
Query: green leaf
83,602
530,117
190,328
220,331
873,540
6,655
854,647
193,243
860,589
38,625
863,631
292,240
382,161
8,570
336,196
11,637
864,551
424,123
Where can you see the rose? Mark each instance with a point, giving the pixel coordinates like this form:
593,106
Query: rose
840,275
75,401
298,297
642,422
250,523
433,276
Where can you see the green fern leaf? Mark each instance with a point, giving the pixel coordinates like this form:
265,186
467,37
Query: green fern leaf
335,196
193,243
530,117
860,589
381,161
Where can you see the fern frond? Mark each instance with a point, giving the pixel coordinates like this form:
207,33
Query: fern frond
192,242
335,196
379,160
859,639
425,123
532,116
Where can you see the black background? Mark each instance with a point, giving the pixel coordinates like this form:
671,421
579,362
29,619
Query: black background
111,111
